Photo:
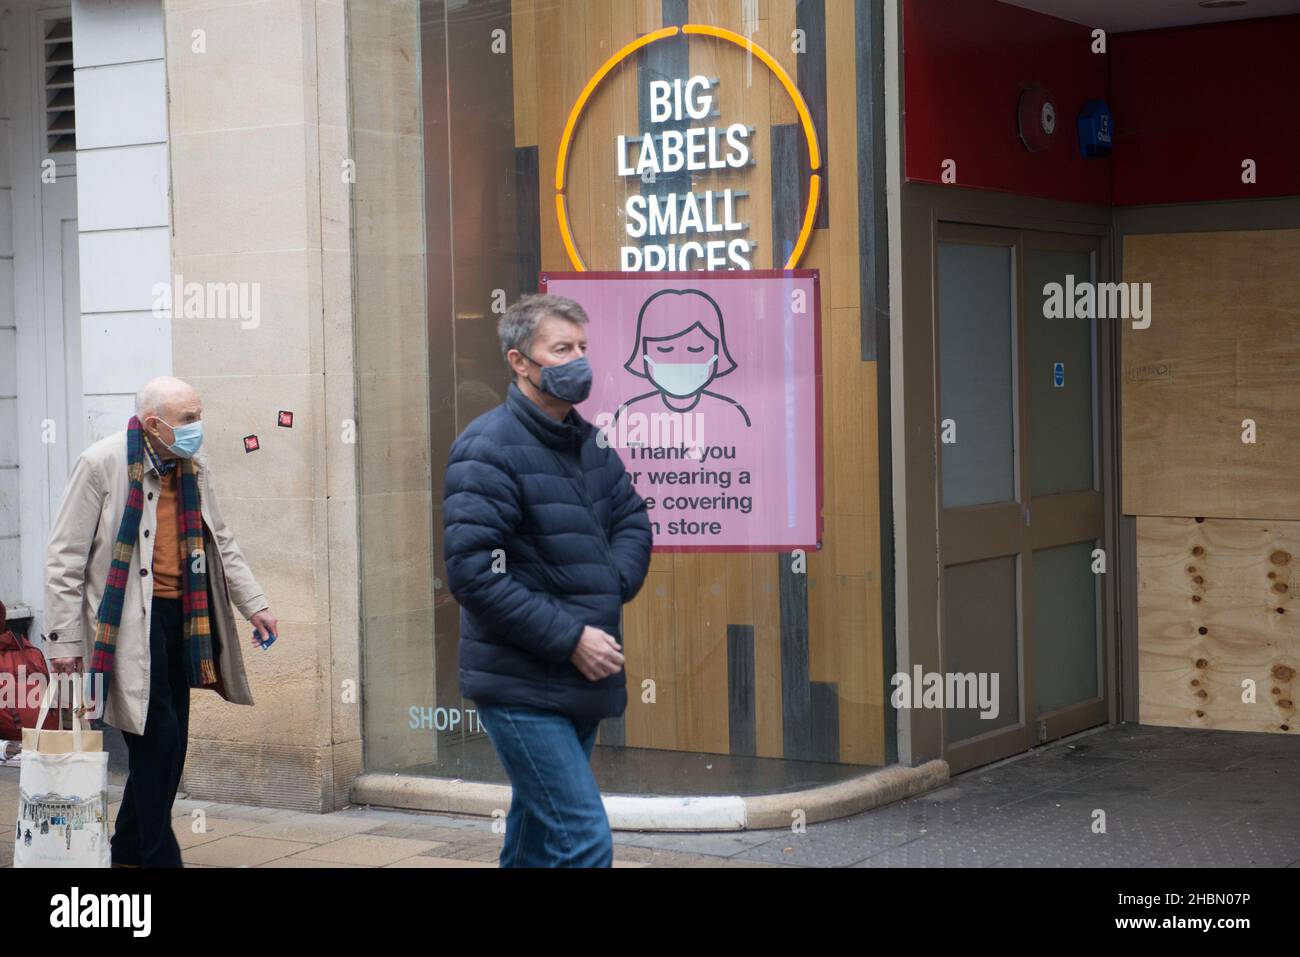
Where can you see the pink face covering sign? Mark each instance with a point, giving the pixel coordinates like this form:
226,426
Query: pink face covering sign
709,386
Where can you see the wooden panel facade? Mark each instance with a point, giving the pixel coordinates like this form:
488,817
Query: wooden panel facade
677,631
1219,526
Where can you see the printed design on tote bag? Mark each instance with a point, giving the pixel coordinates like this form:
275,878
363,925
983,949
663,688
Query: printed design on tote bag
50,813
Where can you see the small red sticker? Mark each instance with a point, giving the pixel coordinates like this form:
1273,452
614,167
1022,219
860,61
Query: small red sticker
251,444
286,420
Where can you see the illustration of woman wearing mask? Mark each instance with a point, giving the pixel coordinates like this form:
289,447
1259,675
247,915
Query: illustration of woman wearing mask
681,349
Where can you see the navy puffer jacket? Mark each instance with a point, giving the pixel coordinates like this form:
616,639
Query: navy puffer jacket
544,535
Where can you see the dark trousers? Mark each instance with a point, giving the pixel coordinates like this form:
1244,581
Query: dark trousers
155,759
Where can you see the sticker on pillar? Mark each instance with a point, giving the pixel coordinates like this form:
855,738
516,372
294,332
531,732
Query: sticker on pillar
709,387
251,443
1058,375
286,420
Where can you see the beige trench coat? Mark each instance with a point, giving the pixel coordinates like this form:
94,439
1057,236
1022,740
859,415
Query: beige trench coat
76,569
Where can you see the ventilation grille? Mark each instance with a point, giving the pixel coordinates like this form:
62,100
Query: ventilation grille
60,98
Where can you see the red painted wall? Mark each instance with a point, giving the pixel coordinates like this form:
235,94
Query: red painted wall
965,63
1191,104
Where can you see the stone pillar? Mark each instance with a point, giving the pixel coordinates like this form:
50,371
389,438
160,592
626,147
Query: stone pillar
259,135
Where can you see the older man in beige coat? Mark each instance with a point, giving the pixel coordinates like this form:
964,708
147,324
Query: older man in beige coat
150,679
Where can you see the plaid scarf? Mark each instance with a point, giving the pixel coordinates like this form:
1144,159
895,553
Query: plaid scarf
199,664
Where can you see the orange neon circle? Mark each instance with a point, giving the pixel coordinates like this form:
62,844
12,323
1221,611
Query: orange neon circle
575,115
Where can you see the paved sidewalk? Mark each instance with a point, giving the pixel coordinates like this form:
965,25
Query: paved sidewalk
230,835
1167,796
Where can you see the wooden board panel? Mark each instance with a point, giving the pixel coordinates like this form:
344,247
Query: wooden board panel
1223,346
555,97
860,681
524,56
765,615
1216,607
744,95
780,28
841,156
612,110
649,15
825,632
657,726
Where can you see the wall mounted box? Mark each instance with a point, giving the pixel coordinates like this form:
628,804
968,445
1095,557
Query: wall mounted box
1096,129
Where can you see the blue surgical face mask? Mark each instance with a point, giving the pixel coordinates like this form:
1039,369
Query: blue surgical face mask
570,382
188,440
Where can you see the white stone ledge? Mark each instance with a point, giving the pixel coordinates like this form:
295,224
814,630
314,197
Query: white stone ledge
653,813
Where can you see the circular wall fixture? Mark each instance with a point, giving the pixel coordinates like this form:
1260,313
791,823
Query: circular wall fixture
1037,118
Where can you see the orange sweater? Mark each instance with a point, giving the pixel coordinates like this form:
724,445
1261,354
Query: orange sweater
167,556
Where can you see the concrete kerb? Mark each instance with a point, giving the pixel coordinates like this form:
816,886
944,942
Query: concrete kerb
640,813
846,797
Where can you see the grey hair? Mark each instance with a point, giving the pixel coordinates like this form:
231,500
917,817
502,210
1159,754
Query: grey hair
156,392
518,326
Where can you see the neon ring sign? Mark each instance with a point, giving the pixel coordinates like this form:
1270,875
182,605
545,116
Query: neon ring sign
575,118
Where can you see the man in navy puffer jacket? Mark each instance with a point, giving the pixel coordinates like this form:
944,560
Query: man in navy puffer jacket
545,541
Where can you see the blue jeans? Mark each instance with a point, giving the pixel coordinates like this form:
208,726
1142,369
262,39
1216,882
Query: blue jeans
556,816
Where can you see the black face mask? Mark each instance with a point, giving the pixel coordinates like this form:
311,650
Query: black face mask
570,382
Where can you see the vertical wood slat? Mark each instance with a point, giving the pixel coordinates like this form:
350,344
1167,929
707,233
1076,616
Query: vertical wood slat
741,718
528,218
780,26
676,13
840,158
523,50
648,645
649,16
765,614
845,597
701,652
753,587
810,17
796,690
869,120
554,100
576,69
608,28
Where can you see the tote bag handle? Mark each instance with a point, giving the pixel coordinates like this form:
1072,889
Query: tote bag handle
47,699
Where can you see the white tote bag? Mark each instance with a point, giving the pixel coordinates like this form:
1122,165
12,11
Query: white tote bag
62,793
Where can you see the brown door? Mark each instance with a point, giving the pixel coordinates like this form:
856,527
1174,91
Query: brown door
1021,518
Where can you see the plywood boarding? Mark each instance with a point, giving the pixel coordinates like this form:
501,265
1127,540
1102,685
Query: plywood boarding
676,630
1216,608
1223,347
